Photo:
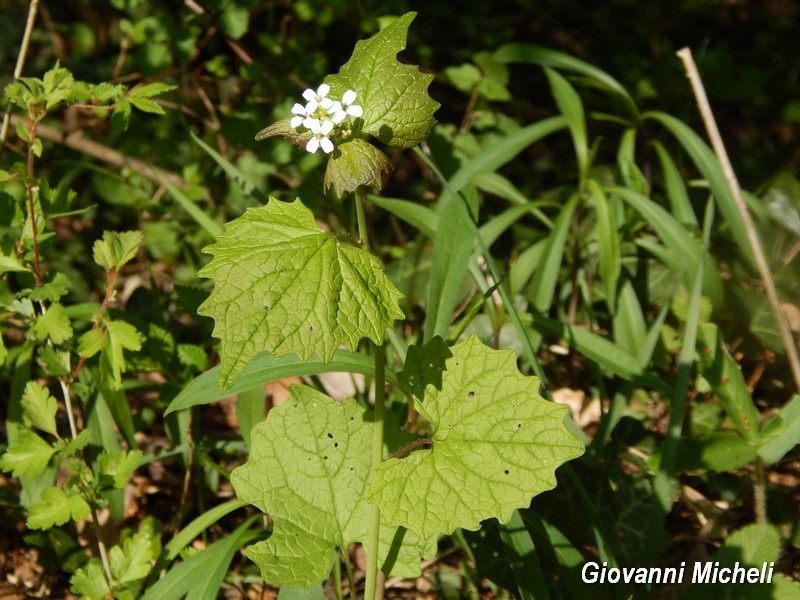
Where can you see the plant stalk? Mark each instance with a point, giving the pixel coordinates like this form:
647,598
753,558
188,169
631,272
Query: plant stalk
23,53
375,578
361,216
685,54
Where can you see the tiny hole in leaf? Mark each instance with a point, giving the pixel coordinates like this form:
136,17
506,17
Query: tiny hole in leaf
311,328
519,425
330,435
506,471
326,458
471,395
336,444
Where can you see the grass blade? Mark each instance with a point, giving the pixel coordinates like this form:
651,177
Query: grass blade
544,282
523,559
676,188
413,213
200,217
205,389
609,244
501,152
570,105
529,53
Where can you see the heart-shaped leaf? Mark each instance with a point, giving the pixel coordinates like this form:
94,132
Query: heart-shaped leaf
497,443
284,285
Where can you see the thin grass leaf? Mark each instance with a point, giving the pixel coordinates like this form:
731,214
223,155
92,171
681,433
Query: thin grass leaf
452,248
675,186
630,328
525,265
706,162
200,217
567,559
494,228
200,576
664,483
686,250
250,410
205,389
529,53
605,353
608,241
503,151
186,535
570,105
523,558
235,173
544,282
632,176
413,213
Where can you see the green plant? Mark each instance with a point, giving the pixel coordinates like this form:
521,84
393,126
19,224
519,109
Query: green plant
351,473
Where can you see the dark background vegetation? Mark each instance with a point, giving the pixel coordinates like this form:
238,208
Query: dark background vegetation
240,64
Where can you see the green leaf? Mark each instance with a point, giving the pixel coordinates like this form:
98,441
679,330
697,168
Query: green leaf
496,444
781,433
315,489
53,324
397,108
284,285
200,576
40,407
424,366
116,248
118,465
56,508
570,105
285,129
132,561
121,336
355,163
11,264
27,455
726,379
608,242
91,342
51,291
90,582
264,368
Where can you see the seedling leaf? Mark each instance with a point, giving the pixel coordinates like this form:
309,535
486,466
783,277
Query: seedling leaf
496,444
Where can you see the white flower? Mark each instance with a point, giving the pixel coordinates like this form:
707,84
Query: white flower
300,115
321,130
317,99
346,107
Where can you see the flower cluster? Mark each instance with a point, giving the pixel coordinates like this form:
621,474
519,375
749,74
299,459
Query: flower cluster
322,114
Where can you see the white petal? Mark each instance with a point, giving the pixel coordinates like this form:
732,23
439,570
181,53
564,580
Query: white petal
312,124
335,107
326,127
327,145
355,110
311,106
312,145
296,122
326,103
323,90
309,95
338,116
349,97
298,109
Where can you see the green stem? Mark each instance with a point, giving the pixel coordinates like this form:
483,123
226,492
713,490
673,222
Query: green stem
374,585
361,200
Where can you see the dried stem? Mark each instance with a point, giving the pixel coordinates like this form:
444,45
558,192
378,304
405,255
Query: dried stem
752,236
23,53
